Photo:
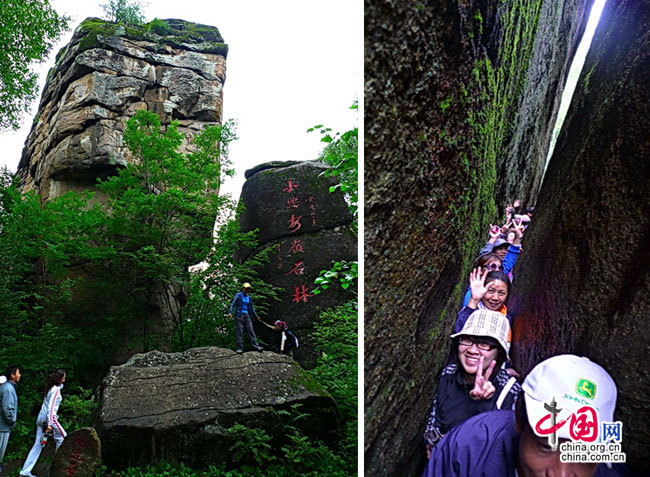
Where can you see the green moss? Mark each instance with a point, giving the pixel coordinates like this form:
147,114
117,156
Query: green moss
304,380
445,104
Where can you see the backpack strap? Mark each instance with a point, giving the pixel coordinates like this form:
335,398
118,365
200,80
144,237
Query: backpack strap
504,392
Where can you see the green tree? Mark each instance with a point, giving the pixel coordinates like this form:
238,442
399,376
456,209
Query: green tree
124,11
28,28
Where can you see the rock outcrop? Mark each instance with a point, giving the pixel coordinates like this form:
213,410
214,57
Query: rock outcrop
79,455
179,406
453,94
102,77
587,261
309,228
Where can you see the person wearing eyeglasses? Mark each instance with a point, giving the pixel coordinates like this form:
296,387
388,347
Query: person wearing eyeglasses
469,385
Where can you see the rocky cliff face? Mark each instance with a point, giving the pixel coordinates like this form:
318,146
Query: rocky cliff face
308,227
460,97
106,73
586,262
179,406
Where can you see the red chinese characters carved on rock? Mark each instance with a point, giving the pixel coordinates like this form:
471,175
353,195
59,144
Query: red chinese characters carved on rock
292,185
80,444
296,247
293,202
298,269
294,222
301,294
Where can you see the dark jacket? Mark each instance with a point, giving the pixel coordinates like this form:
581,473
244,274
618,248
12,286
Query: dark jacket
8,406
237,305
453,404
485,446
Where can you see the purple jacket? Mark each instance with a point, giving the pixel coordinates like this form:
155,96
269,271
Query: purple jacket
486,446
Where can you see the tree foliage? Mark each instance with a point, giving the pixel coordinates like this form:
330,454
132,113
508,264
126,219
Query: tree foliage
28,28
124,11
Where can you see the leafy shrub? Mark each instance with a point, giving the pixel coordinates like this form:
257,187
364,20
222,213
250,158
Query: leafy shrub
161,27
124,11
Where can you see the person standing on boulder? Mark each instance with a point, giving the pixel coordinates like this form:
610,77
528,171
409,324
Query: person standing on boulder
47,420
8,407
242,304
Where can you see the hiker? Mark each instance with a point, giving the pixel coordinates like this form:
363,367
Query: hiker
488,290
285,340
8,407
242,304
47,421
505,251
503,443
469,385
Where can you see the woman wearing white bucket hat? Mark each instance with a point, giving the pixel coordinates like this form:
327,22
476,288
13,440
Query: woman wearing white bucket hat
467,386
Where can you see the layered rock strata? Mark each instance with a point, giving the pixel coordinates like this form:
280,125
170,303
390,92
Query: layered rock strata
179,406
102,77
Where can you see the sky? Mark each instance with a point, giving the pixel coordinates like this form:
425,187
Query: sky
292,64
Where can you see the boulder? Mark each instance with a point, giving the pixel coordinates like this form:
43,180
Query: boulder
309,228
179,406
79,455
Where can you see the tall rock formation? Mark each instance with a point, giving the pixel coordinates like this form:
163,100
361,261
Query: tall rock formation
460,101
309,228
102,77
587,261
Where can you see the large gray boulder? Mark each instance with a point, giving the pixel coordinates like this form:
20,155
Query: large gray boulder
308,227
180,405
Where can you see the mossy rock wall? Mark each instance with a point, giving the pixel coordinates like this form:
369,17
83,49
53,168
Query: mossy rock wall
586,261
445,82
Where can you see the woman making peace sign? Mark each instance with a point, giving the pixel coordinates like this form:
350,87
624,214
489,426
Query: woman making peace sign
469,385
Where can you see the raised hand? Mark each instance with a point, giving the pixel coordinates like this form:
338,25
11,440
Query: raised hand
477,286
483,388
516,203
519,233
494,233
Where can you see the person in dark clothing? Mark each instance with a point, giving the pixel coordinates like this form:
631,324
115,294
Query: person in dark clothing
489,290
243,307
504,443
467,387
285,340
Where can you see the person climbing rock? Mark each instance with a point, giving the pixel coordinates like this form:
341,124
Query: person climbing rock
243,307
285,340
8,407
47,420
469,385
504,443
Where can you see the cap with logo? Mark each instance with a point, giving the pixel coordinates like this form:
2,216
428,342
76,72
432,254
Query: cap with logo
488,323
573,382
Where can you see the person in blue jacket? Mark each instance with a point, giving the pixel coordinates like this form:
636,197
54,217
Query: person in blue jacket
243,307
504,443
8,407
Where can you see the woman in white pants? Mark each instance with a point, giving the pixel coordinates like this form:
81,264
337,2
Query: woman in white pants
47,420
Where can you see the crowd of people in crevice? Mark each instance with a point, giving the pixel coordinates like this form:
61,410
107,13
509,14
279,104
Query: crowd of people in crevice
483,413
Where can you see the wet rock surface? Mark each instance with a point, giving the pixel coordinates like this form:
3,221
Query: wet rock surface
102,77
447,90
308,227
586,262
180,405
